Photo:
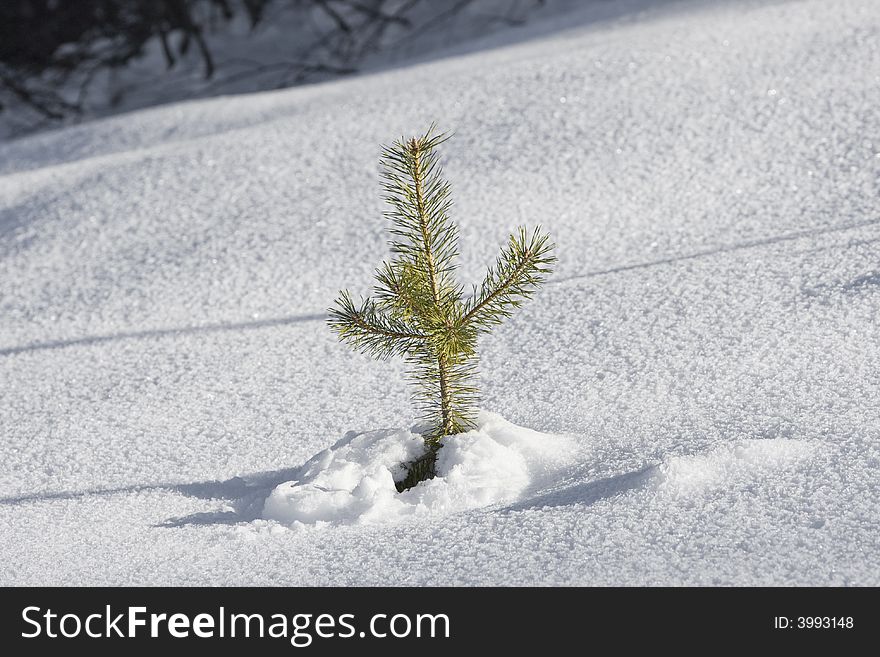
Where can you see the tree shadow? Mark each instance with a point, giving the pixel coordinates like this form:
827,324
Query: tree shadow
161,333
865,281
589,492
245,495
747,244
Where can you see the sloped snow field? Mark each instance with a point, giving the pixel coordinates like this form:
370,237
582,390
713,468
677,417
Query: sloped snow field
706,359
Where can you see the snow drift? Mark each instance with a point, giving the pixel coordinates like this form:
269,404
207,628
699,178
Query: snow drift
730,465
353,481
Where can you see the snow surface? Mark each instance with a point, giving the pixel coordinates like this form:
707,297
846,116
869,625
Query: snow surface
353,481
709,342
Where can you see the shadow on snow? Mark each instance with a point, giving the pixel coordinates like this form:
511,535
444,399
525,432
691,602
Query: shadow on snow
161,333
590,492
246,495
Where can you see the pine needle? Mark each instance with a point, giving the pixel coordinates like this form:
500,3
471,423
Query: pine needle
419,311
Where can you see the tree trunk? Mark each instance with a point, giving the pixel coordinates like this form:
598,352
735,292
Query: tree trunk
445,401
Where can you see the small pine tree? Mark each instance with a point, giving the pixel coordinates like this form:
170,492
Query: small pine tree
420,312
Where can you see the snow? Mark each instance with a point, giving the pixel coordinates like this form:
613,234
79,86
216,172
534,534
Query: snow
708,344
731,465
353,481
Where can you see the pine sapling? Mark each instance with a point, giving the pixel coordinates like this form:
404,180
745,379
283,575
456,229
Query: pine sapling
420,312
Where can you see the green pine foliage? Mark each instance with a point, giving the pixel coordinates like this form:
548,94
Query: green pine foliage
420,312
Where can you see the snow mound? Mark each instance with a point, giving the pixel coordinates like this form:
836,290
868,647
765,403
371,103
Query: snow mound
353,481
730,464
